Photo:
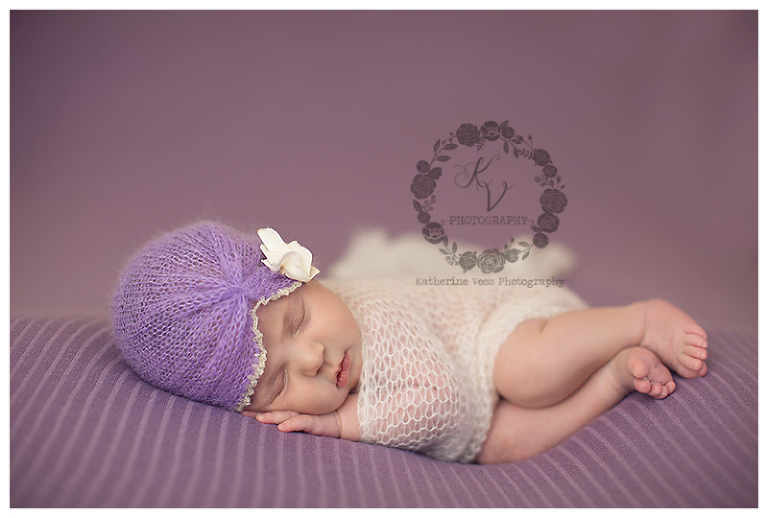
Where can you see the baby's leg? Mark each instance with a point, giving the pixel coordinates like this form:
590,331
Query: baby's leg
518,433
545,360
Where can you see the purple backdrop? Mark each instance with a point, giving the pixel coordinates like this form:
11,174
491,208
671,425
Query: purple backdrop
127,123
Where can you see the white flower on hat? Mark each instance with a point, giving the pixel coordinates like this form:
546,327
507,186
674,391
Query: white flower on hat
291,259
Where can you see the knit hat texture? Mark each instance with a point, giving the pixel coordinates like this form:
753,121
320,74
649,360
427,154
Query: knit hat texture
183,318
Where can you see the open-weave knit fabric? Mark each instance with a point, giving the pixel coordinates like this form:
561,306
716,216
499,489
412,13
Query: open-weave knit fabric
428,353
182,313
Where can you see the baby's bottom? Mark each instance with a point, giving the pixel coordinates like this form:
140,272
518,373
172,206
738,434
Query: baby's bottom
556,375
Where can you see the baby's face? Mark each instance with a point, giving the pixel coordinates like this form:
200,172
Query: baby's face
313,352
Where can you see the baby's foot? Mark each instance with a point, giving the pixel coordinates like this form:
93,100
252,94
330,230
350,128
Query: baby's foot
675,337
640,369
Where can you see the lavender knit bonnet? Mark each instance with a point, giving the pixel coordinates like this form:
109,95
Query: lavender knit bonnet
184,313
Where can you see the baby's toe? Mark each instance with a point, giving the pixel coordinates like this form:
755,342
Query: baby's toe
656,390
695,352
697,330
695,340
689,362
642,385
639,368
671,386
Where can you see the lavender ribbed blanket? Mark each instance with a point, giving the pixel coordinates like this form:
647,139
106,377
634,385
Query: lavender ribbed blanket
86,432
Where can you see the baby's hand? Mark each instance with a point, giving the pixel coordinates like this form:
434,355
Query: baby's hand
288,421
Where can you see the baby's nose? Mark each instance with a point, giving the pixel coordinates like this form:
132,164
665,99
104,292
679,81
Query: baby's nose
313,358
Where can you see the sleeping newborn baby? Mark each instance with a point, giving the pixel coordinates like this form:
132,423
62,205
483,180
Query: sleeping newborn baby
459,373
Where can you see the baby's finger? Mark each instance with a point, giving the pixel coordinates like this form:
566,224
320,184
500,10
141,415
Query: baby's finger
298,423
275,417
326,425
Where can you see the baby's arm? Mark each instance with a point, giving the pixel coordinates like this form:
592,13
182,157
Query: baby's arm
342,423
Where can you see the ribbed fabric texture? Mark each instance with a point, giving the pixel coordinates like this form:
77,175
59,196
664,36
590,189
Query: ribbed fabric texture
85,431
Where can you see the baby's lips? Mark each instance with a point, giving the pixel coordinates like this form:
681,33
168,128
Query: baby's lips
343,376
